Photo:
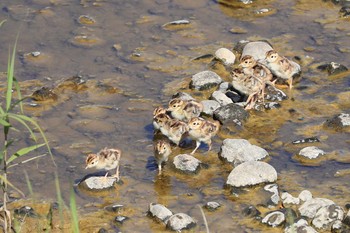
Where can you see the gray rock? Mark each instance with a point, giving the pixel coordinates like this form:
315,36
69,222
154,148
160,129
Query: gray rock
212,205
221,98
327,215
333,68
338,226
180,221
121,219
160,212
209,106
272,105
231,113
182,96
288,199
338,122
311,152
274,218
98,182
274,94
347,219
224,86
305,195
257,49
344,12
177,22
300,227
273,188
310,207
225,56
205,80
234,96
186,163
251,211
251,173
114,207
238,151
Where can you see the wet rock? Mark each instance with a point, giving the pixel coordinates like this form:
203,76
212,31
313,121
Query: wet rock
274,94
339,227
311,152
209,106
205,80
238,151
98,183
102,230
257,49
274,219
186,163
44,94
212,205
26,211
333,68
310,207
234,96
347,219
176,23
75,83
338,122
305,195
344,12
221,98
121,219
114,207
180,221
251,211
327,215
225,56
273,188
86,20
231,113
251,173
301,226
160,212
272,105
182,96
306,140
288,199
86,40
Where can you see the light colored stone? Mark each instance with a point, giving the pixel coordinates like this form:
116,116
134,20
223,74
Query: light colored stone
221,98
225,56
288,199
99,182
257,49
311,152
273,188
305,195
180,221
205,80
251,173
310,207
300,226
209,106
327,215
274,218
212,205
160,212
237,151
186,163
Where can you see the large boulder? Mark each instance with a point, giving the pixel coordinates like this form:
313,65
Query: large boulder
205,80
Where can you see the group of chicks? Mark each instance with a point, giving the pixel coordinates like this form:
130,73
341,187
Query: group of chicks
178,121
252,76
181,118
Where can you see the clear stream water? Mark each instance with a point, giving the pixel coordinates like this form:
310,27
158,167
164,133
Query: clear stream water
132,64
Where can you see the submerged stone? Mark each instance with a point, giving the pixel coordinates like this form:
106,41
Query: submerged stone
160,212
186,163
180,221
311,152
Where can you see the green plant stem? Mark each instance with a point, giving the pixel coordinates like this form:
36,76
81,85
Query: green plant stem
4,185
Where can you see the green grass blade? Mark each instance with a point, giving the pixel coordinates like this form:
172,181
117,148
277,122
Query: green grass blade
18,89
41,133
2,22
10,74
4,123
74,212
24,151
59,199
2,112
11,185
20,120
29,184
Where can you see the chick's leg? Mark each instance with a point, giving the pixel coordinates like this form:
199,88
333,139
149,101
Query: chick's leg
198,143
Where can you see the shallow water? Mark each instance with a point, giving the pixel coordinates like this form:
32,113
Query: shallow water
134,64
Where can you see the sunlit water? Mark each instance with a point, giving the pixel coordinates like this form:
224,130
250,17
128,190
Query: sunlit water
134,65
